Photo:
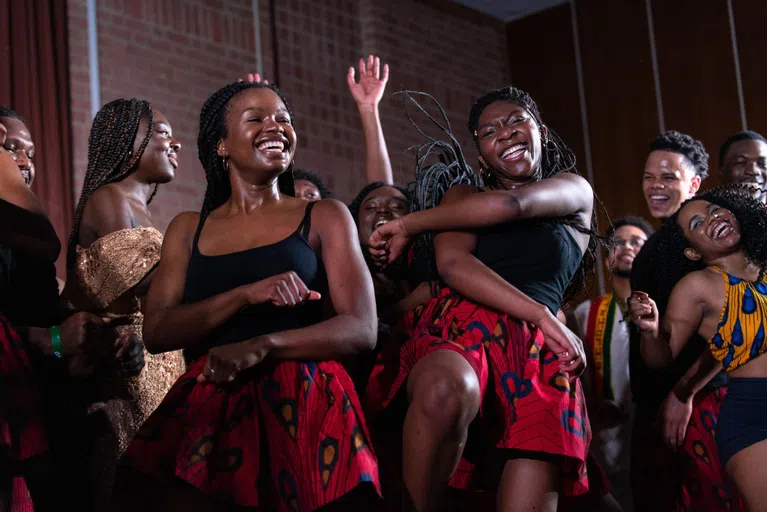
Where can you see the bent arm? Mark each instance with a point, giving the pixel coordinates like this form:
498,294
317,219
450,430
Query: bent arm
558,196
169,324
464,273
698,375
354,328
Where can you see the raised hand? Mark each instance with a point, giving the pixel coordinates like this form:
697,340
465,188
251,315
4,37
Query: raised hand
286,289
369,90
644,312
224,363
254,78
564,343
388,242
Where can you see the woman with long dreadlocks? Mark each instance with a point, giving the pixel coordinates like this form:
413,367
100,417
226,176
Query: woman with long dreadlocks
526,247
265,417
713,255
112,251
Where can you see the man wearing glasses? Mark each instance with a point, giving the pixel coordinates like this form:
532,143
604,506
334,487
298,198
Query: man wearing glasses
601,325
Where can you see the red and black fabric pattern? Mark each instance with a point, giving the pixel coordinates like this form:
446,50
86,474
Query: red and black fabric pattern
284,436
529,405
692,478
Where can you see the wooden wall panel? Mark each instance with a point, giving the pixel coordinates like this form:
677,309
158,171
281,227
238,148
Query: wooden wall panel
697,72
542,62
620,99
752,49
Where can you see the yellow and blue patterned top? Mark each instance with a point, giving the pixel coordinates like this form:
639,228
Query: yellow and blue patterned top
740,333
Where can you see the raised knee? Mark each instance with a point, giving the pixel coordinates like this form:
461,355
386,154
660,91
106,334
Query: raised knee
448,398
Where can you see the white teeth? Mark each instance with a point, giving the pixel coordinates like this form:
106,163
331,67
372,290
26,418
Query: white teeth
512,149
380,223
658,198
271,144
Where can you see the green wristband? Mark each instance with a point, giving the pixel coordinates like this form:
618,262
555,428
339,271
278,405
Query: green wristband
56,342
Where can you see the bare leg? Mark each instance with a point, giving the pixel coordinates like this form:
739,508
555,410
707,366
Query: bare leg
444,395
747,471
528,485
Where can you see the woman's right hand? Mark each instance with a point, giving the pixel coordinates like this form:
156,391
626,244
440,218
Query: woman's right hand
644,312
564,343
388,242
282,290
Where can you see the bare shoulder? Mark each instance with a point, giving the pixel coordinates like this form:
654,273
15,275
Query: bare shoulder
182,228
459,192
699,285
328,211
573,179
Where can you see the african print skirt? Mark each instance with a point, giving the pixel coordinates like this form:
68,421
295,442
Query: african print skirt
529,405
691,479
22,433
285,435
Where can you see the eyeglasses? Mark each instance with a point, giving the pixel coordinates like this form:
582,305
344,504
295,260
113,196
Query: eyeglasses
635,242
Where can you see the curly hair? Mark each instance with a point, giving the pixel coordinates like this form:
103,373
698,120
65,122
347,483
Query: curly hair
110,157
356,204
693,150
630,220
674,265
315,179
213,129
557,157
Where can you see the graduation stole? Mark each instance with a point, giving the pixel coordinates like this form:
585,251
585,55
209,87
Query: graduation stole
599,332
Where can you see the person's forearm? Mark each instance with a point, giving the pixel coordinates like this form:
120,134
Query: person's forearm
475,211
655,349
377,163
335,338
697,376
186,325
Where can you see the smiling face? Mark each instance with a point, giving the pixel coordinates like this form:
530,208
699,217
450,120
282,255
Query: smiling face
159,161
669,180
18,142
627,242
380,206
509,141
746,162
259,134
711,230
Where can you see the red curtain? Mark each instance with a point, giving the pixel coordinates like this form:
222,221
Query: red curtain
34,81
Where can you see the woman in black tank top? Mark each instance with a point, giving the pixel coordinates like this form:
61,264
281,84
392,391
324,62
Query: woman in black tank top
266,417
523,248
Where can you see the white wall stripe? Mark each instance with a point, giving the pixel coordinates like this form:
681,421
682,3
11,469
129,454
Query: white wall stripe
736,58
585,125
257,38
93,58
655,72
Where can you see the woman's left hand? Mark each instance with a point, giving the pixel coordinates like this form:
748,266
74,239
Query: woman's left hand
129,352
564,343
369,90
224,363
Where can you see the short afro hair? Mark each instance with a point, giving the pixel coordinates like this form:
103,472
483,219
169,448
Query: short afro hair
630,220
314,179
744,135
693,150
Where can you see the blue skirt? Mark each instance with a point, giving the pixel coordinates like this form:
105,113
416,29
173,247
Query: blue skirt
743,417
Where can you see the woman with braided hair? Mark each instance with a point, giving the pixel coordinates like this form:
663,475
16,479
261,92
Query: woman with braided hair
265,417
712,255
510,254
112,252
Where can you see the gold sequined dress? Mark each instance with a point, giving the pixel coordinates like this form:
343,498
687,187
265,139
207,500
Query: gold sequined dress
102,283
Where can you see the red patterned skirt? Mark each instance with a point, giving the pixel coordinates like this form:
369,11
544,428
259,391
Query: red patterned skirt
22,433
286,435
528,403
690,479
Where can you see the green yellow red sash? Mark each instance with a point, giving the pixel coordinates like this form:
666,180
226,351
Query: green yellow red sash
599,332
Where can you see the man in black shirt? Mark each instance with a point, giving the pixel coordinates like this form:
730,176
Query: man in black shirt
674,459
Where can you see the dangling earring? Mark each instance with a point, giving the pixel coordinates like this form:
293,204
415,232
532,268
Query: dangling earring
225,163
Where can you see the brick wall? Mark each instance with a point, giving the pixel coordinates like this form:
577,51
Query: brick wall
175,53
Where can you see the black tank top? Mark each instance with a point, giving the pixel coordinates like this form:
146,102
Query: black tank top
211,275
537,257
